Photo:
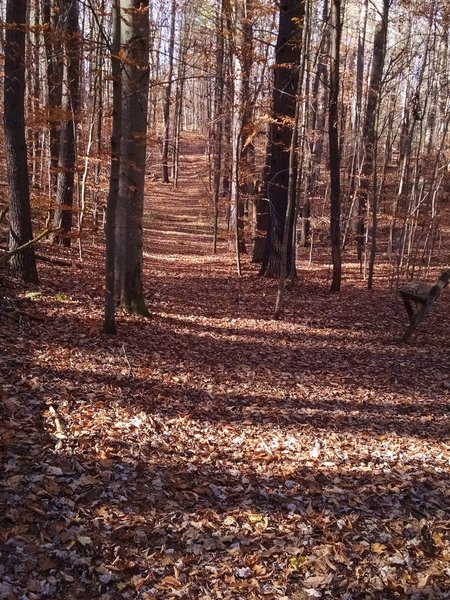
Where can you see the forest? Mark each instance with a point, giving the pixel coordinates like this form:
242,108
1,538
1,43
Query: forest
224,300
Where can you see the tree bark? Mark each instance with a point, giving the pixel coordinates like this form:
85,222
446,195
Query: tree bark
218,119
370,126
130,201
63,216
22,264
53,49
287,61
333,137
167,99
109,325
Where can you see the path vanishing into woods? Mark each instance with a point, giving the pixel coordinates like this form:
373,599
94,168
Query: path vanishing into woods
211,452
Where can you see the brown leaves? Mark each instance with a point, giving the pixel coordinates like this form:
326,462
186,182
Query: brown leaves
239,458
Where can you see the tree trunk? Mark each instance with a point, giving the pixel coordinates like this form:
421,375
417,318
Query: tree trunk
370,129
130,202
167,99
369,125
63,216
22,264
287,61
218,120
333,137
111,204
53,49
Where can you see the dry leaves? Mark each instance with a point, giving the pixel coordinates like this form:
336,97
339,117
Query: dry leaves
237,457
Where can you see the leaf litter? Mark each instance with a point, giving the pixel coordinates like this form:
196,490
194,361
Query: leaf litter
211,452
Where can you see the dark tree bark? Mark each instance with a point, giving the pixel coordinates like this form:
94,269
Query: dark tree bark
22,264
287,58
111,204
63,216
333,137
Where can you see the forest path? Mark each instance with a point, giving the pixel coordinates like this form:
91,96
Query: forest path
210,452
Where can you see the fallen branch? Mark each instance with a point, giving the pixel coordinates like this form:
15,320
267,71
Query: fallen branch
130,369
4,258
55,261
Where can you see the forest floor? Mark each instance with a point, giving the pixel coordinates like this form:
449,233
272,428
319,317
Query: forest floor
211,452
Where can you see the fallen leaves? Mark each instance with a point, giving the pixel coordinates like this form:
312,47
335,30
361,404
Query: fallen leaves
214,453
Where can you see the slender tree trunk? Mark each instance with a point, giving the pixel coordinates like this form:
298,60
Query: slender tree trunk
289,211
317,120
53,51
370,128
218,120
22,264
261,200
333,137
167,99
111,205
63,217
356,221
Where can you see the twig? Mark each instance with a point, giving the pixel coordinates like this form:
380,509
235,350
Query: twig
130,369
54,414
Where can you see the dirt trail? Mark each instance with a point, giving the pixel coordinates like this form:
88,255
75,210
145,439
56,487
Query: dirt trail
211,452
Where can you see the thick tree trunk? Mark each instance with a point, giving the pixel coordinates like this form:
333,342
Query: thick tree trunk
130,202
288,52
22,264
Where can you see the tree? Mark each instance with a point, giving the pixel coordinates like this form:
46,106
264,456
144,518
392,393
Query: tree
333,138
284,98
218,118
168,96
23,264
68,139
54,69
113,193
370,129
130,200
